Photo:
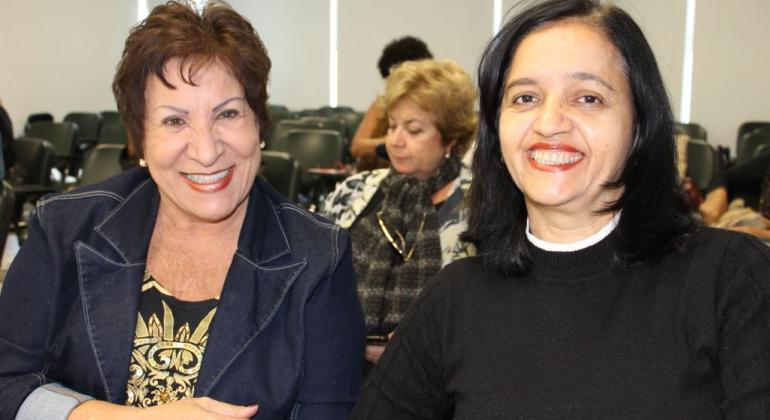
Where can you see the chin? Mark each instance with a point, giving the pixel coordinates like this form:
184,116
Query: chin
215,213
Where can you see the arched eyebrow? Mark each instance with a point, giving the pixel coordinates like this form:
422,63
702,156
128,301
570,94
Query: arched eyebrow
523,81
581,75
217,108
225,102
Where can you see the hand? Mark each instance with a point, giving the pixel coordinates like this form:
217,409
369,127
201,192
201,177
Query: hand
374,351
191,408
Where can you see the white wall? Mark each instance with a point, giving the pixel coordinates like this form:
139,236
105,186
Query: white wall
296,35
731,82
453,29
59,56
663,24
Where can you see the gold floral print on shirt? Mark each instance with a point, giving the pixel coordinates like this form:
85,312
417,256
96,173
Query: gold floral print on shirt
165,361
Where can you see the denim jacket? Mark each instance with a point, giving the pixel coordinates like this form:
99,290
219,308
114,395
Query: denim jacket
288,332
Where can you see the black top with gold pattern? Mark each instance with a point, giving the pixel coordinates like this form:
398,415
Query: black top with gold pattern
169,343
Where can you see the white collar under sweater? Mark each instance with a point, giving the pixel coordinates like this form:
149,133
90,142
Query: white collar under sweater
574,246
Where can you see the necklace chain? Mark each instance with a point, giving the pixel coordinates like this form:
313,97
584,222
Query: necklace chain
401,249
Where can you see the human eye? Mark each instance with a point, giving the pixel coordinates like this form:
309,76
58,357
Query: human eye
590,99
173,121
229,114
524,99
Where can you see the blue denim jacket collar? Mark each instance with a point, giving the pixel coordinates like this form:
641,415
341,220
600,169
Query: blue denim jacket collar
110,276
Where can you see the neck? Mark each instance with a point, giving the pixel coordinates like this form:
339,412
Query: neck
562,227
189,230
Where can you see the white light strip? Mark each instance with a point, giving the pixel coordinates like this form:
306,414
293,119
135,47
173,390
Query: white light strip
333,52
685,107
141,10
497,15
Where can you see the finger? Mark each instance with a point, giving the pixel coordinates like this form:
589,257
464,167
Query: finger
230,410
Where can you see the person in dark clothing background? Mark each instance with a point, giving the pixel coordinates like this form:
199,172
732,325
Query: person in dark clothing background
6,134
595,293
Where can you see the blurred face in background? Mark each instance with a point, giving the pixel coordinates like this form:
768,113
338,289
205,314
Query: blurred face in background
567,118
201,143
413,141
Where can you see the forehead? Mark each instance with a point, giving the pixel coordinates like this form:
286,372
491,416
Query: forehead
564,48
180,73
407,109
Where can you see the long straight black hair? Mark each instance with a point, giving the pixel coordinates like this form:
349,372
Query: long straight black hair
655,217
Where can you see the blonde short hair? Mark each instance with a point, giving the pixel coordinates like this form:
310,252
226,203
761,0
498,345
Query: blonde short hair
441,88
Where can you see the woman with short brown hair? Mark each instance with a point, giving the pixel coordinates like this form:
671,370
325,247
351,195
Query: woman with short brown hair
184,288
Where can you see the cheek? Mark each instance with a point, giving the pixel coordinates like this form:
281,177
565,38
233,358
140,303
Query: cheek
163,150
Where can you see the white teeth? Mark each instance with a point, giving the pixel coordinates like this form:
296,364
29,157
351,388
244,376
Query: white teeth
554,157
207,179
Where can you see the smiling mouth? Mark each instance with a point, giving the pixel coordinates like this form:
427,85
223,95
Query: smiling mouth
207,179
554,157
209,183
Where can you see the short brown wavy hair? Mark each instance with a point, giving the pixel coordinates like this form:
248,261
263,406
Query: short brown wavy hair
176,30
441,88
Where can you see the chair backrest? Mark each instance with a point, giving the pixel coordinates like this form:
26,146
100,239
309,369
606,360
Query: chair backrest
352,121
274,108
101,162
694,130
34,158
750,126
750,142
313,148
41,117
88,124
281,128
282,171
327,123
61,135
701,163
112,130
333,110
6,214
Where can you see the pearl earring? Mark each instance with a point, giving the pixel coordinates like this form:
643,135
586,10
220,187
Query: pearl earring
262,144
142,163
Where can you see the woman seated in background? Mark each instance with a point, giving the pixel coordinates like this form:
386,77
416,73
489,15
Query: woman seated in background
184,289
371,132
405,221
737,201
595,293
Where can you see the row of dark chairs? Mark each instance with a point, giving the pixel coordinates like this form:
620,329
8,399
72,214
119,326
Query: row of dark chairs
752,137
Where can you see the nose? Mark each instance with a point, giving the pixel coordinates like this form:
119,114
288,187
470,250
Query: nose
396,137
205,146
552,119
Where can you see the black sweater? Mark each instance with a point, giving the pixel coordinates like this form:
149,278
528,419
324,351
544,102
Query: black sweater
577,337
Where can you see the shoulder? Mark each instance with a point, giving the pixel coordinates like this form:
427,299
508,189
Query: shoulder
309,236
735,261
95,200
360,180
351,196
455,281
733,247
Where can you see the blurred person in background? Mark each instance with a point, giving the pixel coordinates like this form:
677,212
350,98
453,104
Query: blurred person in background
405,221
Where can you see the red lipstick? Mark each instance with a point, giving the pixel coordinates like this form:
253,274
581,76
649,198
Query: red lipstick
213,187
553,147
